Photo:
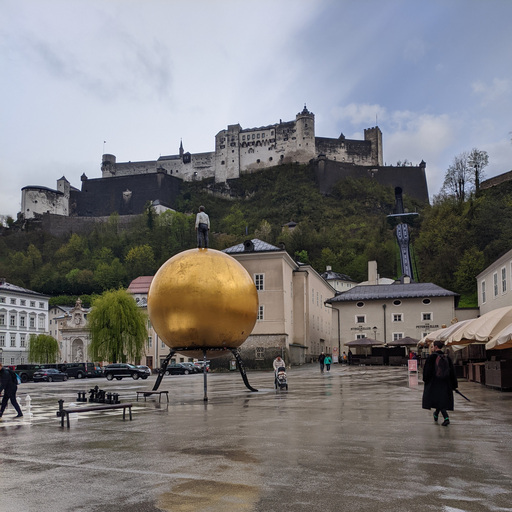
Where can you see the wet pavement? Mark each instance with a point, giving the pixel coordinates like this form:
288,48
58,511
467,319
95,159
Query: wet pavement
352,440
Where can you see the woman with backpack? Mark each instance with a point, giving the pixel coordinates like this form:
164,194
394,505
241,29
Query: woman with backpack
440,381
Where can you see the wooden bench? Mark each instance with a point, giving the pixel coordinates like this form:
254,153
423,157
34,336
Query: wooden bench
149,393
62,412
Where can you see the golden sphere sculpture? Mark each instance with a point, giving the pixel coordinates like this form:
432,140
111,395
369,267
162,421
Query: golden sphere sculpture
202,299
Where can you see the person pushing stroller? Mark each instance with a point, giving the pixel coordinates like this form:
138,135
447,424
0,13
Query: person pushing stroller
280,379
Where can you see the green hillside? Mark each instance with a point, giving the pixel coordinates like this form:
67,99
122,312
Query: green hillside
451,241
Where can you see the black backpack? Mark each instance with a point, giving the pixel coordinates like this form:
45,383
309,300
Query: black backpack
442,367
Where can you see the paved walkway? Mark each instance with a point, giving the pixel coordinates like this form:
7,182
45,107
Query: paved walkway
352,440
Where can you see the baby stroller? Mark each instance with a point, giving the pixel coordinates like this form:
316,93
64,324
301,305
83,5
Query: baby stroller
280,381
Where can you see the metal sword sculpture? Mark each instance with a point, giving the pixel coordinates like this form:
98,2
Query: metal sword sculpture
204,303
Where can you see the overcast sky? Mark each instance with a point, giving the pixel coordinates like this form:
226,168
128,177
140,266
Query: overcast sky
141,75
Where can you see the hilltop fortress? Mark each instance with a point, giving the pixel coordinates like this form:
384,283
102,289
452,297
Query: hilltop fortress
125,187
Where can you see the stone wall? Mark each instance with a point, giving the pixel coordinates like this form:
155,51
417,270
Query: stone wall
411,179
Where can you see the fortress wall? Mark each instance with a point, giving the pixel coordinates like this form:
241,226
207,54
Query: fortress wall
492,182
59,225
130,169
412,180
125,195
41,200
346,150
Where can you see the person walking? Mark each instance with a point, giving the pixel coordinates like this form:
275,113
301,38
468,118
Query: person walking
328,362
321,359
9,385
202,228
278,363
440,381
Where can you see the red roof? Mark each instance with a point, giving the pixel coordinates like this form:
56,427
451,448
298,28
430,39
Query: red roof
140,284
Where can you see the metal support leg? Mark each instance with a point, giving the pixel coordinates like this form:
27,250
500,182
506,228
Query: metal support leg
241,367
165,364
204,377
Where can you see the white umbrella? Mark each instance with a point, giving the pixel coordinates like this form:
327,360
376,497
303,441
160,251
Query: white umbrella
502,340
482,329
430,337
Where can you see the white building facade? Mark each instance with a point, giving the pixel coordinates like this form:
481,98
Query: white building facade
389,312
22,312
494,284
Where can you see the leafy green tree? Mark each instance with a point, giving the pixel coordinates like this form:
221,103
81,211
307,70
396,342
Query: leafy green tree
117,326
469,266
264,231
140,261
110,276
457,177
234,222
43,349
478,161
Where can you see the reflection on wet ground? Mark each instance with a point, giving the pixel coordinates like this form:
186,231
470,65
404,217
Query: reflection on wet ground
355,439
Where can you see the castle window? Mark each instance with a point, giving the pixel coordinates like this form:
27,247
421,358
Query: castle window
258,136
258,161
223,162
262,135
253,136
270,159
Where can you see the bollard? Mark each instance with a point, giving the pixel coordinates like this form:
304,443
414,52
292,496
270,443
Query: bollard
61,406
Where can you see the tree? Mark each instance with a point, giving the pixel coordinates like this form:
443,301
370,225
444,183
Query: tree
457,177
140,261
117,326
43,349
477,161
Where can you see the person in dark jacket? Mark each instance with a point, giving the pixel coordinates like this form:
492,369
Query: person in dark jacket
440,381
9,385
321,359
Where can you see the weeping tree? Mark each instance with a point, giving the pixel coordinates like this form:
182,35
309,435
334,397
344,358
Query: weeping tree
117,326
43,349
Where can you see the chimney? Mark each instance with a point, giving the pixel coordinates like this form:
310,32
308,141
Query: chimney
328,268
373,277
2,280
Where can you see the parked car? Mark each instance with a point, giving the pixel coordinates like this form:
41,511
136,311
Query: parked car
120,370
26,371
178,369
81,370
193,367
49,375
200,365
145,368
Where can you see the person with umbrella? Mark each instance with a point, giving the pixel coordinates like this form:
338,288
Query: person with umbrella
440,382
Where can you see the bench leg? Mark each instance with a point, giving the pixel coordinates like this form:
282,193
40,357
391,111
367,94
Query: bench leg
124,413
130,410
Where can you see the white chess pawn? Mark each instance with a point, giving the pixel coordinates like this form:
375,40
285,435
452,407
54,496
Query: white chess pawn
28,405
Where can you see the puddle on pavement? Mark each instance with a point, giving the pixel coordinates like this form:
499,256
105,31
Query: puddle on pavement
191,495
